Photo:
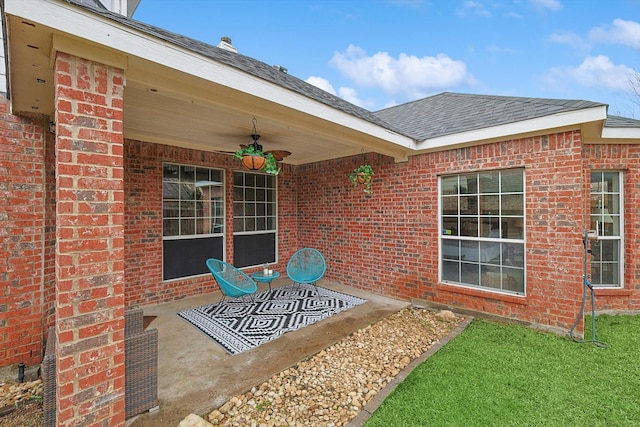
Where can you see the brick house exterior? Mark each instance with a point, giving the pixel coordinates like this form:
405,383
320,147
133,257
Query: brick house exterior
82,209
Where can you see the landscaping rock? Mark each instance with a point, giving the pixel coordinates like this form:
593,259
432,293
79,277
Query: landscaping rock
333,386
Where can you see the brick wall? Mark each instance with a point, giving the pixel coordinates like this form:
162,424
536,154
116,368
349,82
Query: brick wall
624,158
143,220
388,243
90,243
21,236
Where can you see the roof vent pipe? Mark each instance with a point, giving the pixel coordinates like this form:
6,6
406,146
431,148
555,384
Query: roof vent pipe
225,43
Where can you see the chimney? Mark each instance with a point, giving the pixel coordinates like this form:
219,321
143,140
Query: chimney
225,43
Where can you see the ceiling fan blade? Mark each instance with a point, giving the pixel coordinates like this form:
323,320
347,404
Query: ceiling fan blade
279,155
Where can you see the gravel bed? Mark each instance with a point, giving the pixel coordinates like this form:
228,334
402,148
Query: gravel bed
331,387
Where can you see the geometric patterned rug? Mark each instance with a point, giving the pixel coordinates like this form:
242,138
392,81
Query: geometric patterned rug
239,324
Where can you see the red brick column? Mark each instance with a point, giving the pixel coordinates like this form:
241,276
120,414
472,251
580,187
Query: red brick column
21,238
90,243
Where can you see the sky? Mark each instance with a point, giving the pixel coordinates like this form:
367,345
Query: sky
380,53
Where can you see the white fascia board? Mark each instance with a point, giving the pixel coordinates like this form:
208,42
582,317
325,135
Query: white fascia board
621,133
571,118
71,19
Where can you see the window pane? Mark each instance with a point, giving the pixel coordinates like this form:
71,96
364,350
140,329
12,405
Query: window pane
512,181
490,252
489,182
170,227
449,185
450,271
469,227
512,204
513,279
470,273
469,251
187,209
469,205
449,205
469,184
171,209
187,227
491,277
512,228
490,205
611,182
513,254
450,226
451,249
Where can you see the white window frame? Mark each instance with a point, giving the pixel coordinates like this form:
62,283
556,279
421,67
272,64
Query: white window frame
514,240
594,214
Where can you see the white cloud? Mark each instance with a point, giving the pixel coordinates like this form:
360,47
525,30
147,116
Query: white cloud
621,32
321,83
346,93
594,72
350,94
406,75
570,39
552,5
473,7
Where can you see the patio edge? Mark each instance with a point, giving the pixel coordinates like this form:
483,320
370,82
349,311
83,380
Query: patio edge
364,415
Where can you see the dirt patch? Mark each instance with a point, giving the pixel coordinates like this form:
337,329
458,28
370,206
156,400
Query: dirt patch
23,414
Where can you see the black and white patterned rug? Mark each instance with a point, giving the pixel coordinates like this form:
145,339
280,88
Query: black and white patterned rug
239,325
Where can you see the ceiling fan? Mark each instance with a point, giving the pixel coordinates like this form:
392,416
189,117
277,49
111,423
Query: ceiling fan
279,155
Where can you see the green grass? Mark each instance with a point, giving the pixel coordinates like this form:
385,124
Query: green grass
508,375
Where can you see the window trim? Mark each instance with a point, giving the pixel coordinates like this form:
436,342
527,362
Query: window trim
443,237
274,230
222,235
620,238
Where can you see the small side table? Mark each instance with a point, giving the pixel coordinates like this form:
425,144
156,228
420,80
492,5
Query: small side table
259,276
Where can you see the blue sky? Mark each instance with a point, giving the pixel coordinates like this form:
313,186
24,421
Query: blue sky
378,53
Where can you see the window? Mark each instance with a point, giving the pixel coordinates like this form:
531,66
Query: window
606,218
482,222
254,218
192,219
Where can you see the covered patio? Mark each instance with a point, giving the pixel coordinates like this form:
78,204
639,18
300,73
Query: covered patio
196,375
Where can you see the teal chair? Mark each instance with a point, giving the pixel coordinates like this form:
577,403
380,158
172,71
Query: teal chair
307,266
233,282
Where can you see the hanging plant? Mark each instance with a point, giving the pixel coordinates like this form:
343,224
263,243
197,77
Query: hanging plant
257,160
362,175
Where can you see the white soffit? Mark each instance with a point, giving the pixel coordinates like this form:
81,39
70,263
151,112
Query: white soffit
537,125
108,33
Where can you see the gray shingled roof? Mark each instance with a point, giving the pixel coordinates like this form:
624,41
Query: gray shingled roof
243,63
621,122
439,115
450,113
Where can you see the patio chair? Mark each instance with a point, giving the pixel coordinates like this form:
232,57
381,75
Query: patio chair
233,282
307,266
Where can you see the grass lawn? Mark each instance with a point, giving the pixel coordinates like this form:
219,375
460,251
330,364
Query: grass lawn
508,375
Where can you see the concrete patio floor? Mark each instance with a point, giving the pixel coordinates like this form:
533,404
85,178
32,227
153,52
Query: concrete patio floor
196,375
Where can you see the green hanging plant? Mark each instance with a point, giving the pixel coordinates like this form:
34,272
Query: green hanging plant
362,175
270,165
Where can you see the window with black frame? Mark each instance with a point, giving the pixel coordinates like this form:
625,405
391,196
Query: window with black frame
192,219
482,230
255,210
